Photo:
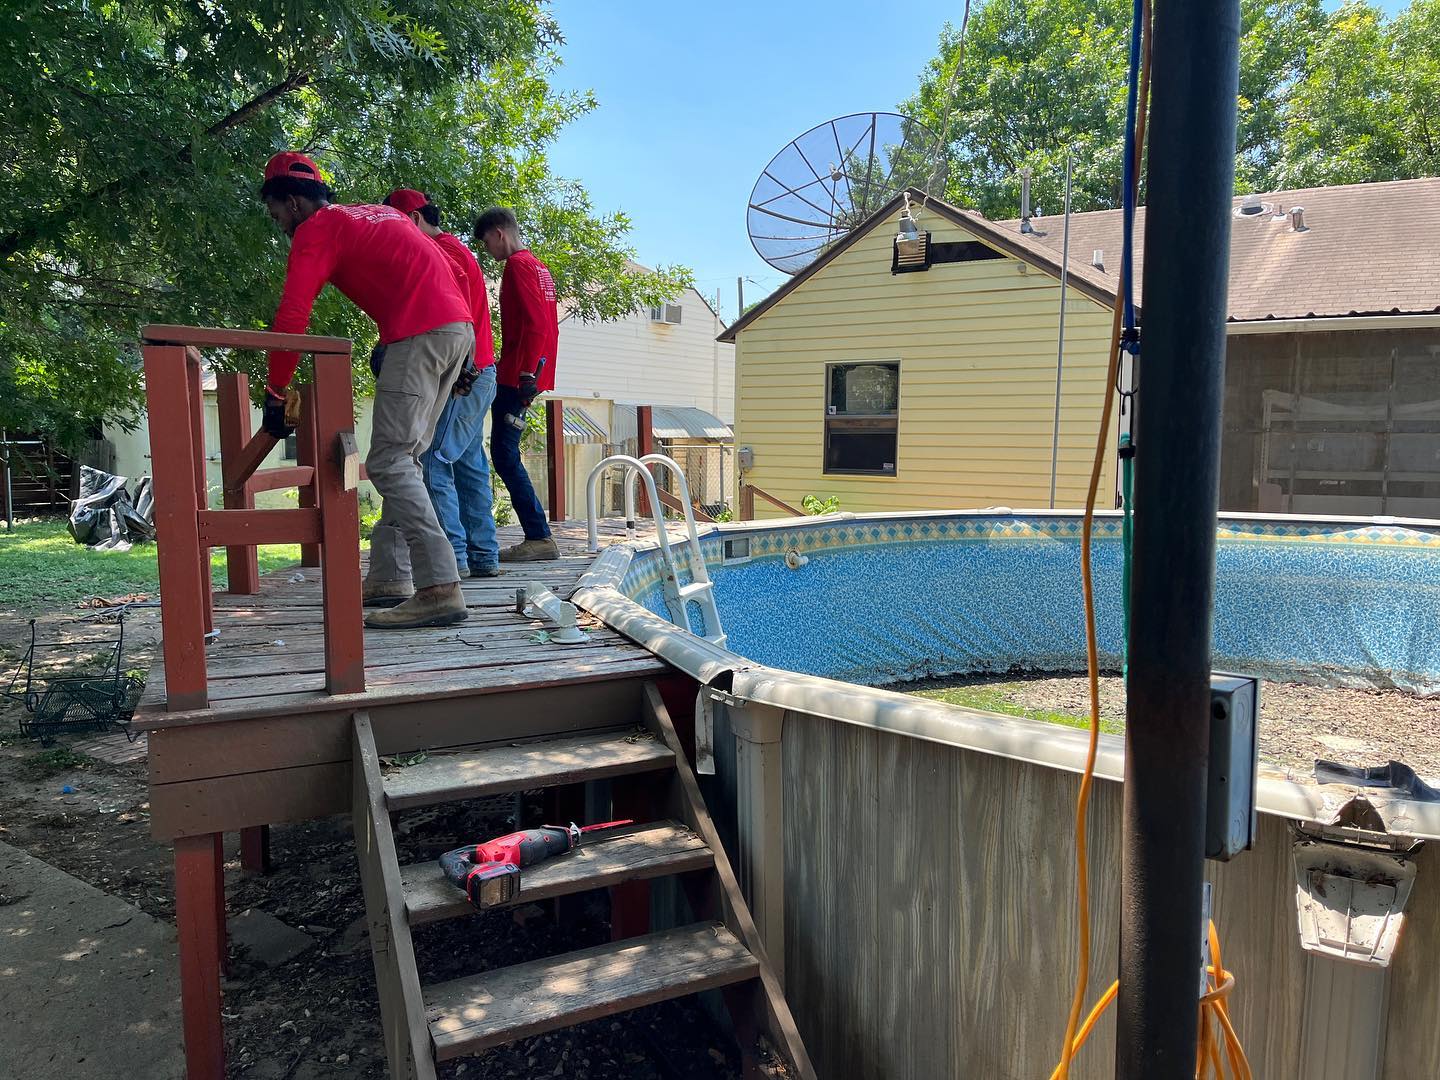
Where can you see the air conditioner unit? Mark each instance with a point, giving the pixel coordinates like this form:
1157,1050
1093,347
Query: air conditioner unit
666,313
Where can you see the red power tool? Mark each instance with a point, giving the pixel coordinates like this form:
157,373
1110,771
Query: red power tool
490,872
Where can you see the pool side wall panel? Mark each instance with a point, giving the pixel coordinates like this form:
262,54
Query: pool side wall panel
930,920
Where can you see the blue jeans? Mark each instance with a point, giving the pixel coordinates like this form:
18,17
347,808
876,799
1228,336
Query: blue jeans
458,476
505,452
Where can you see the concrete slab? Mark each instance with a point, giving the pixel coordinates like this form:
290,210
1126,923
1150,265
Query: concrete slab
88,984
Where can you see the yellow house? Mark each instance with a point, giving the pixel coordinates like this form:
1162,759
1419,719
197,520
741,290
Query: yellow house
934,388
928,390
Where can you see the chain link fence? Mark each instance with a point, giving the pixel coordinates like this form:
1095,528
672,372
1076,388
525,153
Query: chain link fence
709,469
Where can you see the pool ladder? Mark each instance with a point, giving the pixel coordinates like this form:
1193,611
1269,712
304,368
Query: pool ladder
678,597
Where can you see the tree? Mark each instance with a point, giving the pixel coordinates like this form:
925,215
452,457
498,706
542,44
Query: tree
1368,107
131,137
1041,78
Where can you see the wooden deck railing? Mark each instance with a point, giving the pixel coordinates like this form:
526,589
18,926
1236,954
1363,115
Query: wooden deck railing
747,502
326,523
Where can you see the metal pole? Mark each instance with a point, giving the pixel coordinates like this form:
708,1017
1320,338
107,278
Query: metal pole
1190,180
9,490
1060,348
739,297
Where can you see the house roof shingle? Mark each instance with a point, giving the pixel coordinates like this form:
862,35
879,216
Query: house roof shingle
1368,249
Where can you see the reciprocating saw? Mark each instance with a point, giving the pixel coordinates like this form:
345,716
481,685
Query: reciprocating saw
489,873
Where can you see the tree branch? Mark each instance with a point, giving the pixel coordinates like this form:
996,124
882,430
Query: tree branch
259,102
39,225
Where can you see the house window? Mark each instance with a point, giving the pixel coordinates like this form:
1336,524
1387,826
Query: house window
862,414
666,313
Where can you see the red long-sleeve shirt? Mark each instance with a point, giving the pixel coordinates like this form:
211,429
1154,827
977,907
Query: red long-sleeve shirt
529,328
473,279
378,258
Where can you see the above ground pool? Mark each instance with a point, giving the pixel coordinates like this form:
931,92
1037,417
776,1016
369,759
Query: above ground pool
883,600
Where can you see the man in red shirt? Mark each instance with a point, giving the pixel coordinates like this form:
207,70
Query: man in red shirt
393,273
529,332
457,473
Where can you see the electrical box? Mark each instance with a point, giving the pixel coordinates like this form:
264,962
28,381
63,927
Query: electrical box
1234,763
746,458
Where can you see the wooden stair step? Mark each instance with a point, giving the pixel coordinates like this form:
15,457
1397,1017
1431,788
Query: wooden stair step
610,858
468,774
495,1007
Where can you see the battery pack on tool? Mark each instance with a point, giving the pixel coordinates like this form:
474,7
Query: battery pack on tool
486,885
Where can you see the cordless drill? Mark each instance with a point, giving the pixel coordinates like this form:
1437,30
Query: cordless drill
490,872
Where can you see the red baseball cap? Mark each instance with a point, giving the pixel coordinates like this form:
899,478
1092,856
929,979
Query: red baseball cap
292,163
406,200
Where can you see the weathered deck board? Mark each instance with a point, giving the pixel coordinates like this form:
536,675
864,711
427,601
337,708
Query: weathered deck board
470,1014
448,777
640,851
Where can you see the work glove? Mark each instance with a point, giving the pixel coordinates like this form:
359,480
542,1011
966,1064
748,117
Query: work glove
529,390
280,414
377,358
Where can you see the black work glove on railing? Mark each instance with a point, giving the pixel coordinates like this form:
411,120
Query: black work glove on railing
273,418
528,390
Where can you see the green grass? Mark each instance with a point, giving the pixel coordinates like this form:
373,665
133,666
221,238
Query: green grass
53,762
993,697
43,569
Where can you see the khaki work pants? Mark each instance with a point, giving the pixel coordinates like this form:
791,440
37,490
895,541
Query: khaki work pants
414,385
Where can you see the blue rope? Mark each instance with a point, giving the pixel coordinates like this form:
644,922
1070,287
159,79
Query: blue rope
1132,96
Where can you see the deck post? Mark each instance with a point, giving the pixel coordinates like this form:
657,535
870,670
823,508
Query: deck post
255,849
555,456
200,929
747,502
334,413
232,394
1189,186
645,437
182,563
760,827
195,390
305,455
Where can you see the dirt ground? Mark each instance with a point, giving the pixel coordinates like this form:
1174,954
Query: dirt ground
316,1015
1298,723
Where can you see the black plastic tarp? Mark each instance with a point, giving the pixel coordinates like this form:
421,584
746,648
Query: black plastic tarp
107,515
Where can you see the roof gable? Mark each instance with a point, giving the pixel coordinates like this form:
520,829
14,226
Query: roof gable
1017,245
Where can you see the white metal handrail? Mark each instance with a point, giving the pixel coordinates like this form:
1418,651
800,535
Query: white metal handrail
677,596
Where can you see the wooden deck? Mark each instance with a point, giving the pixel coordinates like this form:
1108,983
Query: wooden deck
268,656
272,746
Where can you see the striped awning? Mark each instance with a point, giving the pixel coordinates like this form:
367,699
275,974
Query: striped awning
581,427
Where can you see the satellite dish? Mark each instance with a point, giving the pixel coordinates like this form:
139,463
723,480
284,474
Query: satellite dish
823,184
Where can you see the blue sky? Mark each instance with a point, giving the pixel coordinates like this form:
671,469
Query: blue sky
695,99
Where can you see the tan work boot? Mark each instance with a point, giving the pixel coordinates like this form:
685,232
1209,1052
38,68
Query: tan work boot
386,593
435,605
531,551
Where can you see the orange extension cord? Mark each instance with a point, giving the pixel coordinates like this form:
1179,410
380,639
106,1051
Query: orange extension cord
1216,1032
